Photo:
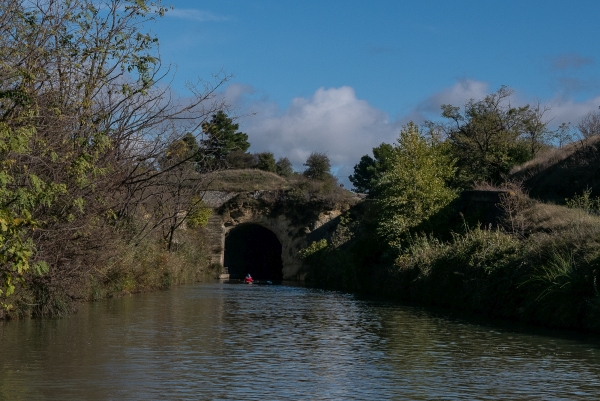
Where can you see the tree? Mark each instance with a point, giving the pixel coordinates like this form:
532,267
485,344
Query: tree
416,185
487,136
266,162
590,124
284,167
318,166
368,171
535,133
85,123
364,174
564,134
239,159
184,152
221,138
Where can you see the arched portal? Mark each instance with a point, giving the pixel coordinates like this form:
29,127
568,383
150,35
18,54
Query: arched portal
254,249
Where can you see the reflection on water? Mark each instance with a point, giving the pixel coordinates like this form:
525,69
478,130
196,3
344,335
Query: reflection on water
242,342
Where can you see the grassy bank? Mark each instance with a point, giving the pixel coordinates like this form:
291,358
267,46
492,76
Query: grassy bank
541,266
131,268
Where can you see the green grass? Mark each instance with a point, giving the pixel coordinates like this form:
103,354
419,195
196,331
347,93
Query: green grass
244,181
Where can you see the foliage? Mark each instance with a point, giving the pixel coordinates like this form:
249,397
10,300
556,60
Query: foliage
198,213
183,152
490,136
584,202
369,170
238,159
266,162
94,149
284,167
313,248
416,186
318,166
148,266
549,276
221,138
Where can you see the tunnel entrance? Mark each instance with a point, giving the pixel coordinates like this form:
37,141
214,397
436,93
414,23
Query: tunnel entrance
250,248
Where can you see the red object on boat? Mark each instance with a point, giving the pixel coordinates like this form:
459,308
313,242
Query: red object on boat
248,280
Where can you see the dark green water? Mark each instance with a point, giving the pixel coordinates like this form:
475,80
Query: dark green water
248,342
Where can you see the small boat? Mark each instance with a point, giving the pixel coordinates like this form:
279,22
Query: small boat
248,280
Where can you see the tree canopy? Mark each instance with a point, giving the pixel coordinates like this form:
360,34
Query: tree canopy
284,167
85,127
266,162
221,137
368,171
318,166
417,184
490,136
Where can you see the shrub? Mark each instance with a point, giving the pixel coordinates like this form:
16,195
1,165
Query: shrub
313,248
238,159
266,162
318,166
284,167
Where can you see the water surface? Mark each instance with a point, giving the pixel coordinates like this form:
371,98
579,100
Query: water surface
247,342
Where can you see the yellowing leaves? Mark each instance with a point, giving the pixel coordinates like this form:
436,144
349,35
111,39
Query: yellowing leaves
416,185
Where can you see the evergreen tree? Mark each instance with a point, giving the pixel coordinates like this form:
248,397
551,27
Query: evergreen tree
369,170
222,137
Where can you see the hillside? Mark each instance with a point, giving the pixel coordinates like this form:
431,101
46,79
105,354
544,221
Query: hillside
561,173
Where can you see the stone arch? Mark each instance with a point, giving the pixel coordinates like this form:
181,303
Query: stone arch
236,209
255,249
282,229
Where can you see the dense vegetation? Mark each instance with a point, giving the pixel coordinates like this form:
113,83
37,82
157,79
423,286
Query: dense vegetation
538,262
94,161
102,166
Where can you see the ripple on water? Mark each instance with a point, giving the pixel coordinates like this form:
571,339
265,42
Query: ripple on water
239,342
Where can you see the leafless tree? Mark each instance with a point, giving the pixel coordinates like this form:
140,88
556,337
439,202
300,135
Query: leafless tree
590,124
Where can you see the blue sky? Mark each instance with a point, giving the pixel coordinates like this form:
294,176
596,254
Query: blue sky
343,76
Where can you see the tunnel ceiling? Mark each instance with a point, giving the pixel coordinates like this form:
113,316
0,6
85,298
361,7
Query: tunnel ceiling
251,248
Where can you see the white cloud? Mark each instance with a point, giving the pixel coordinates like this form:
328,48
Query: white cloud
567,110
195,15
333,121
336,122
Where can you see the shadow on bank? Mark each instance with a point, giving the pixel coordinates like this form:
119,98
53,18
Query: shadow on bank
475,256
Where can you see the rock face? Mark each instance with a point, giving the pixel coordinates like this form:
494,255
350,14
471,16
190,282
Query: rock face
267,209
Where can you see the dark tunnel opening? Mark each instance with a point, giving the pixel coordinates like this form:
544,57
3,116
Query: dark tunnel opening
250,248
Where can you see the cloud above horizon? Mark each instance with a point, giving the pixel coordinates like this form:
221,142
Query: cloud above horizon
333,121
336,122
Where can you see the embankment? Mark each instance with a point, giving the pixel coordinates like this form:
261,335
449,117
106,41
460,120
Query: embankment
541,265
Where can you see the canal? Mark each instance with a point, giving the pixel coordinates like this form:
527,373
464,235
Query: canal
219,341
